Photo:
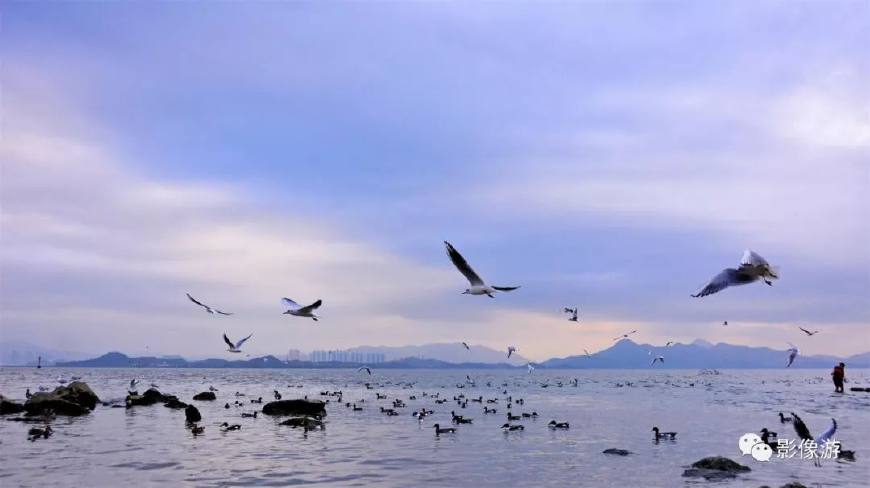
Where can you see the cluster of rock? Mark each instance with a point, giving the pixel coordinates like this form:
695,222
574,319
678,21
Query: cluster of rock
715,468
74,399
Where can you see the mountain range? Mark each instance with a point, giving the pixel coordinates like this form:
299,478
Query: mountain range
625,354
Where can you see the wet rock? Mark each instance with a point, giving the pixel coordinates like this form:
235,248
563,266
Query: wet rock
150,397
74,399
307,423
616,452
204,396
295,407
171,401
191,414
8,406
858,388
793,484
715,468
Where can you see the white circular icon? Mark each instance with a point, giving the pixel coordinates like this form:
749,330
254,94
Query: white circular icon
762,452
747,441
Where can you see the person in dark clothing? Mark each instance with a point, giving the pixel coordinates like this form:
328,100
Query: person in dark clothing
839,375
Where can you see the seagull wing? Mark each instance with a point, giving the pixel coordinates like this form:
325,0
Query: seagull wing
751,258
463,266
826,435
466,346
504,288
805,331
312,307
228,341
194,300
239,344
801,428
223,313
719,282
290,304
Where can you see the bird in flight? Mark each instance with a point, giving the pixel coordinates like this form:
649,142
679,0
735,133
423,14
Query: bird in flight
725,323
669,343
752,268
531,368
656,359
809,333
624,336
237,347
573,312
478,286
366,369
206,307
792,354
511,350
466,346
587,353
294,308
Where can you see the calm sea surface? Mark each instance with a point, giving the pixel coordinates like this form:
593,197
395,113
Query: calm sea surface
149,446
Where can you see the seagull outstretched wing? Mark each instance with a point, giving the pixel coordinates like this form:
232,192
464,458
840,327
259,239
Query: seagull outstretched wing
826,435
242,341
228,341
290,304
464,268
312,307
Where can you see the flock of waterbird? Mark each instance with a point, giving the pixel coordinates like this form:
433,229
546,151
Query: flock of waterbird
752,268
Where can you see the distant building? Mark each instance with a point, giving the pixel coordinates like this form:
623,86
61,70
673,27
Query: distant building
347,357
294,355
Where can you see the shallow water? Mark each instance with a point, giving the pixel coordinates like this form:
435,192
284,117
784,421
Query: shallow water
149,445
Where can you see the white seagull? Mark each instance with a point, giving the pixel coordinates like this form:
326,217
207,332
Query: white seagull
237,347
206,307
752,268
573,312
133,384
587,353
294,308
793,351
366,369
478,287
624,336
531,368
657,358
511,350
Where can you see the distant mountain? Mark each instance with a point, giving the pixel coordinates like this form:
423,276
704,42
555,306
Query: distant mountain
699,355
17,353
448,352
119,360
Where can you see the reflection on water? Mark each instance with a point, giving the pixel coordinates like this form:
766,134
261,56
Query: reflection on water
149,445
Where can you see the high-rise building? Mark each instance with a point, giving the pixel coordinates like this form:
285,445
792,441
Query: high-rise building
347,357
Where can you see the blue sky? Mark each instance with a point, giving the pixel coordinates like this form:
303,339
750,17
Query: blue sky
613,156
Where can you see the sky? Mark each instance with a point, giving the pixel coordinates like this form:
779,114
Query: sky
613,156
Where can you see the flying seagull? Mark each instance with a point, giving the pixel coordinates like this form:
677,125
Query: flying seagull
792,353
466,346
624,336
478,287
531,368
657,358
294,308
237,347
573,312
803,432
206,307
587,353
725,323
669,343
808,332
752,268
511,350
366,369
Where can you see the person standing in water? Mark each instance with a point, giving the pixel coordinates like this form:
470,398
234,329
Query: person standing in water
839,375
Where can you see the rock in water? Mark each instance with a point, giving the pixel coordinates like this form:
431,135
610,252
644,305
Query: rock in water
192,415
616,452
8,406
715,468
206,395
74,399
150,397
295,407
307,423
173,402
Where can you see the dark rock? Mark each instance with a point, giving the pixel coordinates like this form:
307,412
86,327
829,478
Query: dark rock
715,468
191,413
295,407
307,423
858,388
150,397
8,406
74,399
793,484
616,452
206,395
173,402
